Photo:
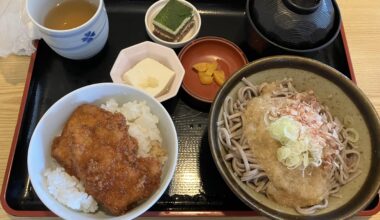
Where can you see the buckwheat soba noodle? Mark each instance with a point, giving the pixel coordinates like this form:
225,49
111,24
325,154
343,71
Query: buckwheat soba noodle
287,145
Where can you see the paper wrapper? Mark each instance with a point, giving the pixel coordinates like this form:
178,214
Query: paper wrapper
17,30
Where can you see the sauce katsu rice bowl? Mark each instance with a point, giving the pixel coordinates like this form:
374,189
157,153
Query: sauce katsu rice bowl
294,138
102,151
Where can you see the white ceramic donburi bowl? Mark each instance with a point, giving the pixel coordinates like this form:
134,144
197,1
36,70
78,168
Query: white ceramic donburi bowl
52,122
155,9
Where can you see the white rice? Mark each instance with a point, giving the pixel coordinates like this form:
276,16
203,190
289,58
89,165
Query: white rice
69,191
142,123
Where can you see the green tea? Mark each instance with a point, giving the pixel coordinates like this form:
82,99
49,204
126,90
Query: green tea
69,14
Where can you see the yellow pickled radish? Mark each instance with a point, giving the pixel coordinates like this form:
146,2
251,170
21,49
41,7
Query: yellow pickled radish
219,77
211,68
204,78
209,72
201,67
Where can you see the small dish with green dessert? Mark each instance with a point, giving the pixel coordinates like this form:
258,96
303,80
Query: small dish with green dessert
172,23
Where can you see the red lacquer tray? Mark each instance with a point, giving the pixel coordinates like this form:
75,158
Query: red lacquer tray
205,194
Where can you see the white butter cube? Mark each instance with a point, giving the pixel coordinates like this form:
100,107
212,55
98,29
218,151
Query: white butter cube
150,76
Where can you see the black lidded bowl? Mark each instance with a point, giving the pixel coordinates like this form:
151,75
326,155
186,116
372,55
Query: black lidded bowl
295,26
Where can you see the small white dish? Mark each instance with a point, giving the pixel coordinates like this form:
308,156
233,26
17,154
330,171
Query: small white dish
130,56
52,123
155,9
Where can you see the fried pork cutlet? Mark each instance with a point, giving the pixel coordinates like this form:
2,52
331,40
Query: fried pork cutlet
96,148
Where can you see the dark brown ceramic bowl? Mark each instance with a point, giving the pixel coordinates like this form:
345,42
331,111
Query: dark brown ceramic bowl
230,58
342,97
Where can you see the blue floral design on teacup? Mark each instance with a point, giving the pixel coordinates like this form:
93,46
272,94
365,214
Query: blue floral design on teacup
88,36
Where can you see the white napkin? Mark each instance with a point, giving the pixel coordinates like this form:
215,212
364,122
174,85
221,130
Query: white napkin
17,30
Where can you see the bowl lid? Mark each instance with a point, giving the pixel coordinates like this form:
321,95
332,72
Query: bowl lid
295,24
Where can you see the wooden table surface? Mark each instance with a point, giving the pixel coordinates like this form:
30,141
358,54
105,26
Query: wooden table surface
362,25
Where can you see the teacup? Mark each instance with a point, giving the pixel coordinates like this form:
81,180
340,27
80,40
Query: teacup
81,42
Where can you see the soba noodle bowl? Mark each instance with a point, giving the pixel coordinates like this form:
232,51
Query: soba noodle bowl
287,145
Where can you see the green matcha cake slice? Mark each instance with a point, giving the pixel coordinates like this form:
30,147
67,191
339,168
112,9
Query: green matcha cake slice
173,21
